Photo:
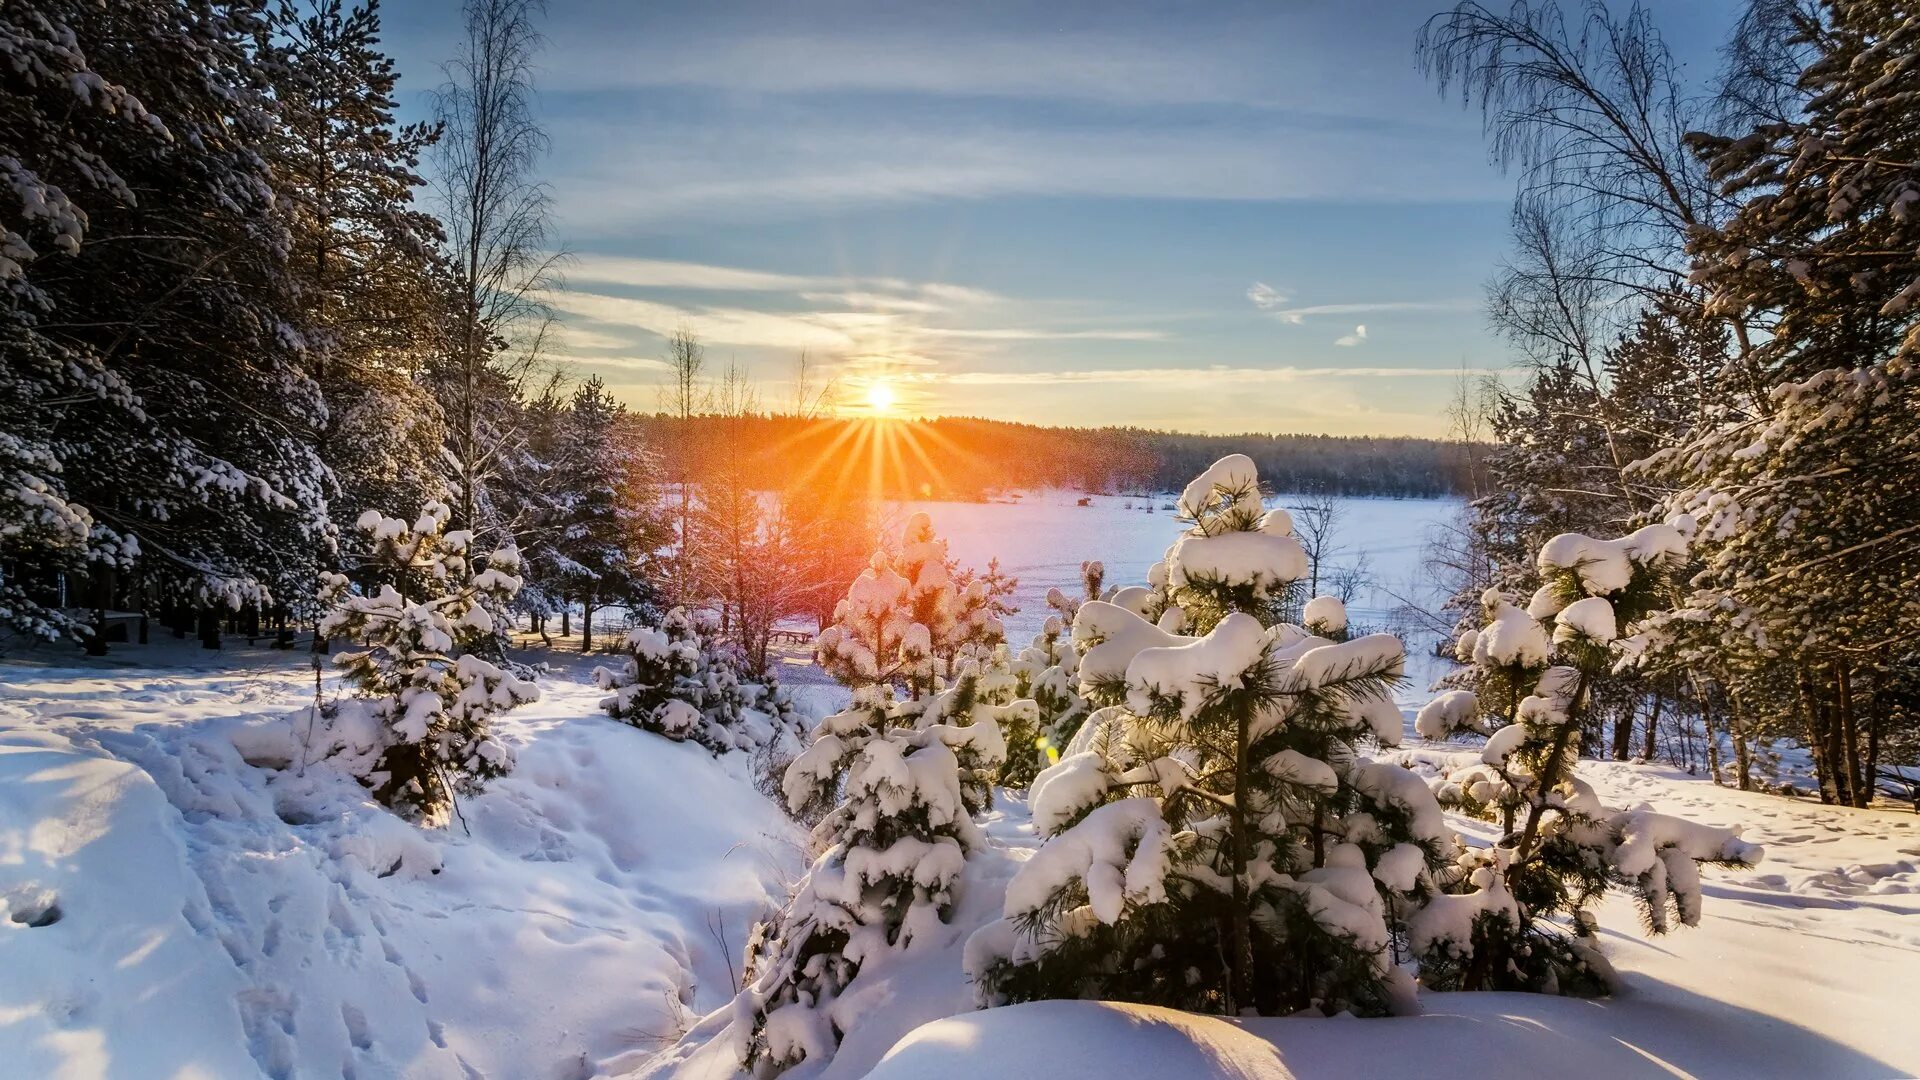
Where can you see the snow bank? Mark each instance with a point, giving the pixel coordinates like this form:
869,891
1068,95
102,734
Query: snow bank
1107,1041
217,918
109,968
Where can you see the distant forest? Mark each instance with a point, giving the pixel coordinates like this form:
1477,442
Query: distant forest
968,458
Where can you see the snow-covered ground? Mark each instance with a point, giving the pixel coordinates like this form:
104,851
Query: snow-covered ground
178,901
206,917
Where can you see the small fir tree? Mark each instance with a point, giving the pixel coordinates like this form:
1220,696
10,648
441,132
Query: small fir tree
913,615
1518,916
433,694
677,683
1217,840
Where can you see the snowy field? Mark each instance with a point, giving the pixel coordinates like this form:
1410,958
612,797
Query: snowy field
180,899
1041,538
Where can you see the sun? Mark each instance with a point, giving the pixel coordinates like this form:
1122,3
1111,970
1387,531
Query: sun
880,398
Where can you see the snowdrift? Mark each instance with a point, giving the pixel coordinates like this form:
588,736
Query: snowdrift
173,910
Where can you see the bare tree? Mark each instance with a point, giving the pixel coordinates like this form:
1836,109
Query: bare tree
1470,411
496,214
1316,523
813,397
1593,113
684,396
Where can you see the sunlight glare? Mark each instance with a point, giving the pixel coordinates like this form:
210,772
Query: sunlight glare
880,399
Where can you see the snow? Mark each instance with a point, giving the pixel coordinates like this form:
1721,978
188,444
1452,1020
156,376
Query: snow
1511,637
1590,619
219,918
1067,787
222,919
1119,852
1449,711
1324,615
1264,561
1187,674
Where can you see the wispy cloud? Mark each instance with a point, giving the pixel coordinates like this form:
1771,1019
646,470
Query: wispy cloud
1011,333
1348,341
1266,297
1275,302
716,325
1190,376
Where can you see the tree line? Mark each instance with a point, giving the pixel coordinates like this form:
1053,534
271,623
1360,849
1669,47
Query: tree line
1711,285
961,457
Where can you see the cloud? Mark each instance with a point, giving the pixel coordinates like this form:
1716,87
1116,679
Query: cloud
1004,333
668,274
1299,315
716,325
1190,376
1266,297
1348,341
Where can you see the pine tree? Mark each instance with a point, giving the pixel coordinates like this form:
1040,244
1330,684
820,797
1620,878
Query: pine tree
1219,841
903,778
1804,496
676,682
1518,916
602,525
433,696
151,383
1047,673
908,776
363,257
912,615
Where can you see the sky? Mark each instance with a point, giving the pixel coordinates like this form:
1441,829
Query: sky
1224,217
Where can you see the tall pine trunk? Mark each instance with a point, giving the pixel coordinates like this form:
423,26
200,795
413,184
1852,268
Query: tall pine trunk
1240,980
1849,735
1651,746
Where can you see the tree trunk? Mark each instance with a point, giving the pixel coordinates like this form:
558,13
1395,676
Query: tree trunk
1849,736
586,624
1874,712
1816,736
1240,982
1550,772
1623,731
1742,755
1713,740
566,618
1652,744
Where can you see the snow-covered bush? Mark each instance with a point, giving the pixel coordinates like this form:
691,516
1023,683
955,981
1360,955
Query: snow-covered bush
913,615
910,775
1216,838
421,672
1047,673
677,683
1516,917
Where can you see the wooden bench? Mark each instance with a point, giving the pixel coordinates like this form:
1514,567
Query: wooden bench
790,637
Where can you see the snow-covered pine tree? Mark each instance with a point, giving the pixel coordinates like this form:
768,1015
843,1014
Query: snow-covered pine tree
912,615
678,683
158,426
363,255
908,775
1518,916
434,697
1804,493
1217,840
602,522
1047,673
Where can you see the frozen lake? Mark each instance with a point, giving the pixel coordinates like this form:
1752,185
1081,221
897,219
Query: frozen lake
1042,537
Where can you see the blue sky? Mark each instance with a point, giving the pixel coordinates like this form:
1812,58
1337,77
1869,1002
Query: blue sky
1228,217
